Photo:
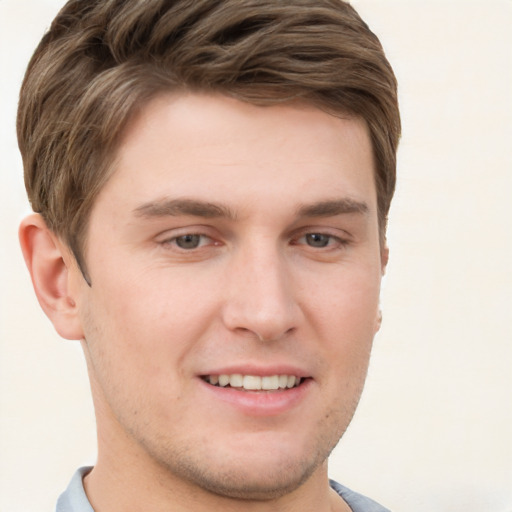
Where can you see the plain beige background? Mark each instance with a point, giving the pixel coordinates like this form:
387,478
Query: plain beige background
434,428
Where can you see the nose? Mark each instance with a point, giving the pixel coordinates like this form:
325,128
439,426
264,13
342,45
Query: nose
260,298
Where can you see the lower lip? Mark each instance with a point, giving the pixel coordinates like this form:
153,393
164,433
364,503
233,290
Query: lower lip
260,403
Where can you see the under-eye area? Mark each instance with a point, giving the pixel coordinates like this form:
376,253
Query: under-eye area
254,382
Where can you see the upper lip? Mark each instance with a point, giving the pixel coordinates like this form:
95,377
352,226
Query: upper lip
258,370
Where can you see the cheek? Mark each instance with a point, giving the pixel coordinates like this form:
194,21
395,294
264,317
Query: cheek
345,316
349,303
134,365
147,324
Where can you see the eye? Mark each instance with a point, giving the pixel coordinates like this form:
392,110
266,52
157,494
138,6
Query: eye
318,240
321,241
189,241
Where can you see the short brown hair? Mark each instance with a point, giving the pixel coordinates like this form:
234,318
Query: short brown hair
102,60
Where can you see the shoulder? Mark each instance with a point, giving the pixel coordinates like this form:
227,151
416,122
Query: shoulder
357,502
74,499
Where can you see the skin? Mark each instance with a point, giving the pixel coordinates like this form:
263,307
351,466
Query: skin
284,275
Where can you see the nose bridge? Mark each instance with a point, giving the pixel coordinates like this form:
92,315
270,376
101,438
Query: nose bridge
261,293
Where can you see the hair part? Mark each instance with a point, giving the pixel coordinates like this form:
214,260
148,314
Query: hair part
103,60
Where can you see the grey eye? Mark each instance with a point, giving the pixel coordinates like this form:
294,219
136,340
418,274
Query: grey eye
188,241
317,240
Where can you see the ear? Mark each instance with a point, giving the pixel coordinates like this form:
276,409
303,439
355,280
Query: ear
378,321
384,257
51,266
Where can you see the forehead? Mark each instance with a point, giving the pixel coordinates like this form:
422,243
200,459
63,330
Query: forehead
214,146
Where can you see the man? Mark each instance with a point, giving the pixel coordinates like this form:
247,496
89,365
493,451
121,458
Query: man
211,182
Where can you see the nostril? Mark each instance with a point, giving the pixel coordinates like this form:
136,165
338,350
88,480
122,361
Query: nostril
273,335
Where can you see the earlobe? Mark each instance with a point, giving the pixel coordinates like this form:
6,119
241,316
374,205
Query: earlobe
378,321
49,262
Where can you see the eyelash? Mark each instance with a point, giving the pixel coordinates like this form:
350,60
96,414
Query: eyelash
330,241
174,240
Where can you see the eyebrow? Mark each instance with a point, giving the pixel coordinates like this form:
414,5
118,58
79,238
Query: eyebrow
174,207
332,208
196,208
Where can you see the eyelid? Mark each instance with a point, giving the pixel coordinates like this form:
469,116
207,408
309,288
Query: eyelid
334,241
169,236
336,233
176,232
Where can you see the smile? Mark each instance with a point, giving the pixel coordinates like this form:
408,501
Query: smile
253,382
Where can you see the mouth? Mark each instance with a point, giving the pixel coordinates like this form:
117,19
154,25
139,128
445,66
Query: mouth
254,382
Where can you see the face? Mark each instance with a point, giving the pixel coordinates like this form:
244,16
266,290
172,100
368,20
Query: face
235,266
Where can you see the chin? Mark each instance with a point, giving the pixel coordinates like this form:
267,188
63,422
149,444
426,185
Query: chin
260,465
239,471
251,483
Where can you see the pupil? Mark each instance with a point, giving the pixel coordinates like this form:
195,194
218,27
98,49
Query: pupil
188,241
317,240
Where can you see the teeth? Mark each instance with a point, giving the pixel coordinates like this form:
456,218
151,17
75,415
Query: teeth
270,382
223,380
254,382
283,381
250,382
291,381
236,380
